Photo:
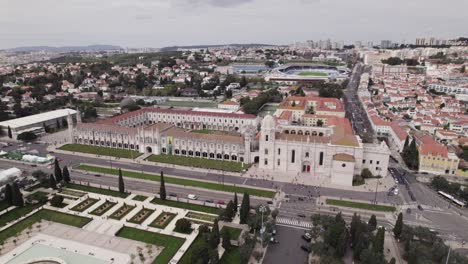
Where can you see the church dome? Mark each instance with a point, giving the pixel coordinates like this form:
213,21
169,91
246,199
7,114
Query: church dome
127,102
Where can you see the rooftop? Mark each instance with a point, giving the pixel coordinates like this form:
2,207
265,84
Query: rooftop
35,119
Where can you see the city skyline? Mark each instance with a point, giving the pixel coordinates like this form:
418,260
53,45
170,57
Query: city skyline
166,23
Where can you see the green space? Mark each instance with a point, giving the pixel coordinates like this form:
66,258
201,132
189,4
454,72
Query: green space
214,132
84,205
318,74
364,206
102,209
231,256
163,220
103,151
188,253
13,155
233,232
17,213
200,216
140,198
97,190
179,181
189,206
38,196
141,216
122,211
189,104
44,214
199,162
171,244
73,193
3,205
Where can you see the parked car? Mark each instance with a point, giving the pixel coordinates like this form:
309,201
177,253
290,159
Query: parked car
420,207
209,200
192,197
269,202
306,248
307,237
173,194
274,240
301,215
221,202
408,210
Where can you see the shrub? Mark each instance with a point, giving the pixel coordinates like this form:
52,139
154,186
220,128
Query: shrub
183,226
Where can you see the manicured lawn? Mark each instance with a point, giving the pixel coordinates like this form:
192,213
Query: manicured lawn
364,206
195,207
44,214
97,190
102,209
189,104
38,196
320,74
160,223
179,181
103,151
73,193
122,211
140,198
84,205
188,254
234,233
171,244
141,216
199,162
17,213
3,205
200,216
232,256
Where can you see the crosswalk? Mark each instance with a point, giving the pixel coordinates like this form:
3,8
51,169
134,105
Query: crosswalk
293,222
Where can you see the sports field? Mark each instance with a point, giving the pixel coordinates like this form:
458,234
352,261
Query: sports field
318,74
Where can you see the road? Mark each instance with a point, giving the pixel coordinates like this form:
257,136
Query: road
354,109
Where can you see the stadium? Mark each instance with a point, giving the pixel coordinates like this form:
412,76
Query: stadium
293,73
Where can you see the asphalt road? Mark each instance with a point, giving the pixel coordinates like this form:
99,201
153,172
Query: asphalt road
289,248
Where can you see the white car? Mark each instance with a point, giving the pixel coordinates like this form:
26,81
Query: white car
192,197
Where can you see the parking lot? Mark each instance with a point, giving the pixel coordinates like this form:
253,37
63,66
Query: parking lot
288,250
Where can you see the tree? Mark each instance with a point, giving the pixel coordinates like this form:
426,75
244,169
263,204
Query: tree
214,235
226,243
26,136
121,182
17,196
183,226
57,171
214,256
66,175
269,63
405,147
200,252
378,244
8,194
245,208
229,212
398,226
40,176
9,132
56,201
319,123
52,182
463,69
162,188
372,223
392,261
243,81
235,202
366,174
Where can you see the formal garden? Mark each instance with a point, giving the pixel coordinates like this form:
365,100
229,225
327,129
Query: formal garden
163,220
102,209
72,193
103,151
84,205
140,198
122,211
188,206
200,216
141,216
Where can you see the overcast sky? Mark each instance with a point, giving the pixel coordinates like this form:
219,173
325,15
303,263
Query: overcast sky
158,23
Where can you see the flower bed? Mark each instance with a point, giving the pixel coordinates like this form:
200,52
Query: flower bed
163,220
106,206
203,217
84,205
141,216
122,211
73,193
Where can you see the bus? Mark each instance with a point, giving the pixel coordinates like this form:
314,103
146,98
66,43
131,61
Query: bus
451,198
